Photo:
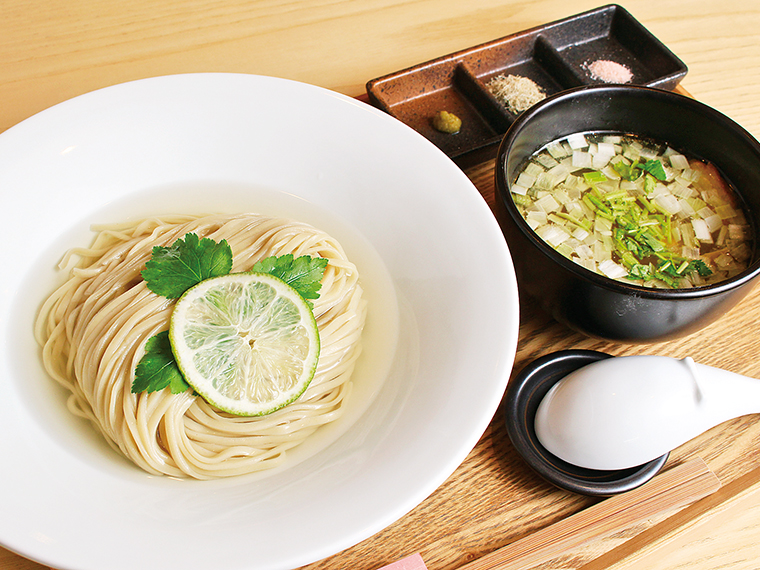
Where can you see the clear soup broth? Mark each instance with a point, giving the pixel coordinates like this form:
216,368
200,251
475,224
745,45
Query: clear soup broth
635,210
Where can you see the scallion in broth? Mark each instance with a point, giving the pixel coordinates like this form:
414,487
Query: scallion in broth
634,210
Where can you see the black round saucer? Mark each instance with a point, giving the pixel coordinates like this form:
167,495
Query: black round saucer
524,394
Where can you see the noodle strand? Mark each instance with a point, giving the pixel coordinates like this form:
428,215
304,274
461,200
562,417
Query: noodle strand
93,331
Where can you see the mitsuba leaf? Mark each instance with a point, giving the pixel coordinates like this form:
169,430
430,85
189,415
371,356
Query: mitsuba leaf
700,267
157,368
626,171
173,270
634,171
652,242
303,273
655,168
640,271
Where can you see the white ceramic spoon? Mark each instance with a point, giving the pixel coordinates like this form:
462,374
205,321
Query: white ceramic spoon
625,411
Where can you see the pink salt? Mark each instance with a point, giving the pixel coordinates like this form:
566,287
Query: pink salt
609,71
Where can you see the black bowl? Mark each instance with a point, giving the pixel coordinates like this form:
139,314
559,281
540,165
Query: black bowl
592,303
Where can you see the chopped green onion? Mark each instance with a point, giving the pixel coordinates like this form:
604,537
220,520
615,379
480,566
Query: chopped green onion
594,177
631,211
521,200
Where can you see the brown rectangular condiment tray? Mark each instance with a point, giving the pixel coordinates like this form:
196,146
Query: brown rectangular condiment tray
555,56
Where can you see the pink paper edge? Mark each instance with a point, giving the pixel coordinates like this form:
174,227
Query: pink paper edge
413,562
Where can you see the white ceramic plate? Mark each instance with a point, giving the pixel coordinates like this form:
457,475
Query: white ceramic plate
442,326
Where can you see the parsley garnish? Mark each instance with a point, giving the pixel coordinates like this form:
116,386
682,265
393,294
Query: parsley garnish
173,270
157,368
304,273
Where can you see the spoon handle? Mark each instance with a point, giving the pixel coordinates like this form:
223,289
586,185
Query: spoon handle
726,394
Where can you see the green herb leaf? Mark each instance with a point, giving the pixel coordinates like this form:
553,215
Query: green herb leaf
157,368
640,271
655,168
700,267
668,268
666,272
628,172
304,273
173,270
652,241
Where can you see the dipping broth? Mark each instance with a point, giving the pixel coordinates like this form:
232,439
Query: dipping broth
634,210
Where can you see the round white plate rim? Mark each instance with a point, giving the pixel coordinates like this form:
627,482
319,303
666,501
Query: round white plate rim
500,274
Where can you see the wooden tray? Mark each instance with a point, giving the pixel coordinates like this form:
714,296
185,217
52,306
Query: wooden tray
494,498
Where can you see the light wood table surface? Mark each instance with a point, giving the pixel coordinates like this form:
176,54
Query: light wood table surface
52,51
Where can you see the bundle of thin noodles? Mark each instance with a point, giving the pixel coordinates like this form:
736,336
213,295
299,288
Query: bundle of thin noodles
93,331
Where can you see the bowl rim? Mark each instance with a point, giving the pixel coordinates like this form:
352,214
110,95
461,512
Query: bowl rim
502,193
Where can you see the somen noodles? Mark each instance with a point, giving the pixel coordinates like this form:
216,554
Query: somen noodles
93,331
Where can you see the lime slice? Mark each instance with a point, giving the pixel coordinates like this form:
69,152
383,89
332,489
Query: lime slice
246,342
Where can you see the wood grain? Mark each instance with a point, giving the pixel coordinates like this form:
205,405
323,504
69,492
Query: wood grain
494,499
679,486
51,51
647,549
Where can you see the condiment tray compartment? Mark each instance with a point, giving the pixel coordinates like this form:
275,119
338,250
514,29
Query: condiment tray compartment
555,56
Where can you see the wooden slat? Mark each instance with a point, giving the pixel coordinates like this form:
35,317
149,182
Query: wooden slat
706,513
679,486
